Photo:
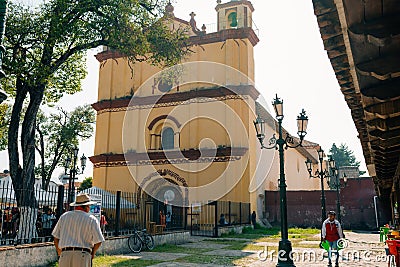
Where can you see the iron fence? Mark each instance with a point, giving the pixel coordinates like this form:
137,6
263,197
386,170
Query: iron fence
27,216
205,219
121,213
125,211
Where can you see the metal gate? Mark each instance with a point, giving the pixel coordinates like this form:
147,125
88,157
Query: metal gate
202,219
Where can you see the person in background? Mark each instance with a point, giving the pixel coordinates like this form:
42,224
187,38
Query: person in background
15,220
7,224
222,220
162,219
103,222
253,219
332,231
168,219
47,222
77,234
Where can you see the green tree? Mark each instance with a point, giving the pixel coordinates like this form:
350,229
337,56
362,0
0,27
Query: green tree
45,59
344,156
86,184
57,134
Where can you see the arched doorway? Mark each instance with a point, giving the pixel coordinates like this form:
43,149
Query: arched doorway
167,198
163,191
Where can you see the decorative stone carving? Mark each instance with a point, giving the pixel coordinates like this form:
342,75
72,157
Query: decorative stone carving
192,23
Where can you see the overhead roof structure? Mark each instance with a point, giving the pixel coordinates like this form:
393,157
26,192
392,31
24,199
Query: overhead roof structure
362,40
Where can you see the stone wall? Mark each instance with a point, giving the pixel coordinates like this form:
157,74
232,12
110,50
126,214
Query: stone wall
237,229
304,207
44,253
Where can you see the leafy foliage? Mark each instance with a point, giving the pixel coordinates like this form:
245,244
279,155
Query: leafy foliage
26,31
59,32
45,59
86,184
343,156
57,134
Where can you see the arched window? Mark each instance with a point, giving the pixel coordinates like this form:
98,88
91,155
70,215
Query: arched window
167,138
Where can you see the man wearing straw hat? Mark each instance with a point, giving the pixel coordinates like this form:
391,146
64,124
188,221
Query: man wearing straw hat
77,234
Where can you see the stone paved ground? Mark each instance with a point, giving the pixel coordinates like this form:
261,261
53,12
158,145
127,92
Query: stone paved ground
364,249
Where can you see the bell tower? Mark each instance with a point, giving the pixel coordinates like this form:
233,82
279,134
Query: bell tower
234,14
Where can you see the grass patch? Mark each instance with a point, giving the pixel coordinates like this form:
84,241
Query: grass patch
231,244
114,261
304,231
244,236
261,231
297,236
122,262
236,244
210,259
179,249
247,261
250,233
252,247
246,246
225,241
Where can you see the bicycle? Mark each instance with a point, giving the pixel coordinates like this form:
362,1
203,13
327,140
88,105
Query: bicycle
138,239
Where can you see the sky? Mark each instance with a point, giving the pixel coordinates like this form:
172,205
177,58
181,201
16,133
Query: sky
290,61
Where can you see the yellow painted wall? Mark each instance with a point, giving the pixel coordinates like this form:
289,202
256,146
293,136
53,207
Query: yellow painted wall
121,178
117,80
199,121
227,122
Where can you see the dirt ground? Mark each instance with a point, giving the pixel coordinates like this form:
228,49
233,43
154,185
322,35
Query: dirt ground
362,249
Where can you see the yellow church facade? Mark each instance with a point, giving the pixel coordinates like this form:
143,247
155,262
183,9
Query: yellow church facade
191,139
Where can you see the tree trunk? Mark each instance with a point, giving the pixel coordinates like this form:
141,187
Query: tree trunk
27,225
13,133
23,177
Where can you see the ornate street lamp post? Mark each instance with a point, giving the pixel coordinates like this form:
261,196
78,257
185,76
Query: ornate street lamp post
285,246
73,170
321,174
337,184
3,14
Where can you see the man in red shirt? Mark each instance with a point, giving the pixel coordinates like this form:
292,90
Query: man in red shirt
332,232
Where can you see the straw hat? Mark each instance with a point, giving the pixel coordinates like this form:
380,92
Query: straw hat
82,200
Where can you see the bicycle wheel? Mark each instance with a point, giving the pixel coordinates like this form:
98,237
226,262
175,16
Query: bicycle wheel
134,243
149,241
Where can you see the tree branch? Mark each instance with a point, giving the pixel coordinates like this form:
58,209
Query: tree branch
41,153
149,8
74,50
